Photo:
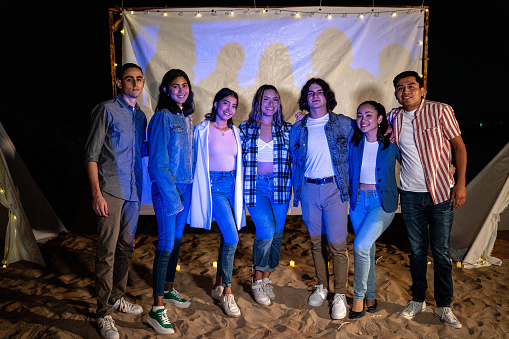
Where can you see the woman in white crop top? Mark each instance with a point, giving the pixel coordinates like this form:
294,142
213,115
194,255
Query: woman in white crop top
217,188
374,198
267,184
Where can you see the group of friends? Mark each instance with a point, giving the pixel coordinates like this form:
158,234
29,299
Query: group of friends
211,171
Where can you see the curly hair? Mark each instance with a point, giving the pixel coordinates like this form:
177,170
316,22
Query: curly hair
328,93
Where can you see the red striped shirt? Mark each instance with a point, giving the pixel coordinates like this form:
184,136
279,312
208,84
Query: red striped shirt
434,125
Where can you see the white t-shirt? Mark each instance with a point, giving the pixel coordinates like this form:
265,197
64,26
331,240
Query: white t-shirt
368,166
318,161
412,173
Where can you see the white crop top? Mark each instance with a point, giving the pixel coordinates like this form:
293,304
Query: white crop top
265,150
368,166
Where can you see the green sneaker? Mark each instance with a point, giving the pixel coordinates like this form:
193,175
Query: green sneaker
159,321
173,297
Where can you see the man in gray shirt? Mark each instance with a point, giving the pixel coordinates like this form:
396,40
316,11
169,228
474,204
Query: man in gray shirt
113,155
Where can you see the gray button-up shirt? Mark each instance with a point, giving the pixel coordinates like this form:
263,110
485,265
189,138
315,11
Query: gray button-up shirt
116,143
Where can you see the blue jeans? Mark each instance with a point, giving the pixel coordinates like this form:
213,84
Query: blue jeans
269,220
170,229
369,221
223,196
428,223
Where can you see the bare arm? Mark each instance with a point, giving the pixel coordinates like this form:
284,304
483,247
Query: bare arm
459,193
99,204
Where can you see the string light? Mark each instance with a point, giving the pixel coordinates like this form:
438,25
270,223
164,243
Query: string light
297,14
292,263
178,267
214,264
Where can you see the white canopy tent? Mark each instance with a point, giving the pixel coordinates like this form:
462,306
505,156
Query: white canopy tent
26,217
485,212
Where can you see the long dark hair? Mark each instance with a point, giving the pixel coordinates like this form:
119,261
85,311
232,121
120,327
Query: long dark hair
382,127
223,93
255,117
165,101
328,93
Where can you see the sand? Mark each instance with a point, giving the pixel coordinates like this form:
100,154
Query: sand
58,301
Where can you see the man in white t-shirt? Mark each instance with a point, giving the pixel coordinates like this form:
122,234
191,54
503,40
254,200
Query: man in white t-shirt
319,152
425,131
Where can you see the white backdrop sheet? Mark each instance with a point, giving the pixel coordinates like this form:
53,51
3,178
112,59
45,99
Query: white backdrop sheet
357,57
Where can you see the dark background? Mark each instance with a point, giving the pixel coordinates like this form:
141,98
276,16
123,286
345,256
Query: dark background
56,68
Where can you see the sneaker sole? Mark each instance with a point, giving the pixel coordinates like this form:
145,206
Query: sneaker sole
177,303
445,322
313,304
158,328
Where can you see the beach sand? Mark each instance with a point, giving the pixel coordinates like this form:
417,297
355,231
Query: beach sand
58,301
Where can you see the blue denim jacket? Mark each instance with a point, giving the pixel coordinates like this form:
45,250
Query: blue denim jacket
338,130
170,157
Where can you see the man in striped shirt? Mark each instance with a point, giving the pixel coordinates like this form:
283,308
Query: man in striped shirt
425,130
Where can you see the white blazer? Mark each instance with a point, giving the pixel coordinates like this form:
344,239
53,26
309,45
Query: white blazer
200,212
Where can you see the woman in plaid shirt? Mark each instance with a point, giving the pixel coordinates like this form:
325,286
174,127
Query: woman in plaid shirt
265,140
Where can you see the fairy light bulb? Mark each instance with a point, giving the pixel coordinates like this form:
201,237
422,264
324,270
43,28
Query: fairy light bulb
292,263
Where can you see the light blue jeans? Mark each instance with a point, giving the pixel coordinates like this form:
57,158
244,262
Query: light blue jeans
170,229
369,221
223,197
269,219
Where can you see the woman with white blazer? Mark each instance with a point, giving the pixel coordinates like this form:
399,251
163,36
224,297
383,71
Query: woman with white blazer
217,188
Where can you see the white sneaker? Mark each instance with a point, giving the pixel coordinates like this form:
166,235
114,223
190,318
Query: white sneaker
412,308
339,306
230,306
217,292
318,296
267,288
107,327
259,294
124,306
446,315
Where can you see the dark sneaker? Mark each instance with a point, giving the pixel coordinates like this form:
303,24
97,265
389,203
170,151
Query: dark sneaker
173,297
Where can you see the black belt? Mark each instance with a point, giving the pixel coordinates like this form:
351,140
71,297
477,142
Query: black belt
320,181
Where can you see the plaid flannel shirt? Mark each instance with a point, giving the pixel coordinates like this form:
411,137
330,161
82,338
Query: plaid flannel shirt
249,134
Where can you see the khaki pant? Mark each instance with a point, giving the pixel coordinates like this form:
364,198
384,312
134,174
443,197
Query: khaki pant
326,219
115,235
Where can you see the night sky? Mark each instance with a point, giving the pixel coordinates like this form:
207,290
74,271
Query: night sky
56,57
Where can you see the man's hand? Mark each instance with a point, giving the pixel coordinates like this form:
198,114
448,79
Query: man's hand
459,195
299,116
99,205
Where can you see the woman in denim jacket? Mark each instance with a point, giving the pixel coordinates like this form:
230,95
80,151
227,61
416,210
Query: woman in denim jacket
170,169
267,184
374,198
217,188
